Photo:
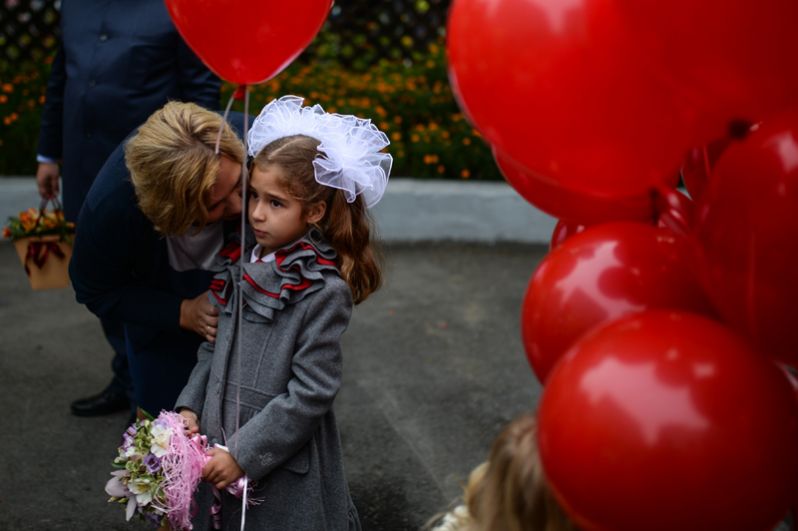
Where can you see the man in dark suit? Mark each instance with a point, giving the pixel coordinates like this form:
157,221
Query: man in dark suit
117,62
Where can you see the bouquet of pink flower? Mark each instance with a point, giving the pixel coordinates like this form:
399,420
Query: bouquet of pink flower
160,467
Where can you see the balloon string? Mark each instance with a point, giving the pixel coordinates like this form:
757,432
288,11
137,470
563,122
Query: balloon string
244,503
224,117
239,301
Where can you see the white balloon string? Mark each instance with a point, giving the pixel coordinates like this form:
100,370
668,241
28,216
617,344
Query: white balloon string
244,503
239,301
224,117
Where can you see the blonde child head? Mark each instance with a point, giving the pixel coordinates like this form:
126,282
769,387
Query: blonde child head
335,161
509,492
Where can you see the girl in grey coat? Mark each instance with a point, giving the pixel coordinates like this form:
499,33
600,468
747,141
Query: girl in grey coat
267,392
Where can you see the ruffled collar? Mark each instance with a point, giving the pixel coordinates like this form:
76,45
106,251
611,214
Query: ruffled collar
297,271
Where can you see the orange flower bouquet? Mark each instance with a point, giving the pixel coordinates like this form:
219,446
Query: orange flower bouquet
44,244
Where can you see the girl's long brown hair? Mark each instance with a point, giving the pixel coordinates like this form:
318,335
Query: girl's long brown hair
347,226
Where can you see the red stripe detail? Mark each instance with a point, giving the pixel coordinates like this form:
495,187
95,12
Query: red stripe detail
221,300
258,288
305,284
231,251
283,253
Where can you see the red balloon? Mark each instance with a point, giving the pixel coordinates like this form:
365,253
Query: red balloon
564,230
248,41
748,230
675,211
572,204
668,421
698,164
733,59
562,88
792,377
601,274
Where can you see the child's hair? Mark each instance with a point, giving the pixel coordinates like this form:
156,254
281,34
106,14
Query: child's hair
346,226
173,164
510,492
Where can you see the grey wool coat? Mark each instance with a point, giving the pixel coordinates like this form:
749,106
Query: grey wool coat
283,386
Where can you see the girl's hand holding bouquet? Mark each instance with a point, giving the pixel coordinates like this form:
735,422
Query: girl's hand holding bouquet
190,421
160,464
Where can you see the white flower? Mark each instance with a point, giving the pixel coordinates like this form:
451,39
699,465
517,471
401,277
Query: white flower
130,510
131,452
142,488
115,487
161,437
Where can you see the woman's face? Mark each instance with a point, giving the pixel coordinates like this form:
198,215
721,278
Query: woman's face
224,201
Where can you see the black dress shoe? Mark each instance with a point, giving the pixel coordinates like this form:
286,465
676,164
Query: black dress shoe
110,400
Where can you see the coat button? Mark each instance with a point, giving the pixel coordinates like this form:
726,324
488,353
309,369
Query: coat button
103,37
92,82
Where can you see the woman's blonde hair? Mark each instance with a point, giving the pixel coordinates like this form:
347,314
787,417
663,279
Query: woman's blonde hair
346,226
509,492
173,164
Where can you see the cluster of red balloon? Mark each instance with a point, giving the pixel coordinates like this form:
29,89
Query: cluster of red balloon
655,320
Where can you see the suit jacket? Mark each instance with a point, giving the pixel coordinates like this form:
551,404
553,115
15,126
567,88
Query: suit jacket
118,61
282,388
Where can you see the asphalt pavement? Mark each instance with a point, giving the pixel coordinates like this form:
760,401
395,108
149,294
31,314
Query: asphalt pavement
434,368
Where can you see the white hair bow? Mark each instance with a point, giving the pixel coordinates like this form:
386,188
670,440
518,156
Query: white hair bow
353,162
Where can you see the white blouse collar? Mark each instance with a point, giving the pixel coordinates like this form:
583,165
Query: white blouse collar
255,256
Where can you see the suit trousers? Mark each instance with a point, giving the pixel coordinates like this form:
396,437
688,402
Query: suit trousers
115,335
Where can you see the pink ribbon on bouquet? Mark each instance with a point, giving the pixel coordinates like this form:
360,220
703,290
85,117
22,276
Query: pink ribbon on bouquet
182,467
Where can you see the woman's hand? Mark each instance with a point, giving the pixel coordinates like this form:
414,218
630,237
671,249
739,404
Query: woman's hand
222,469
190,421
199,316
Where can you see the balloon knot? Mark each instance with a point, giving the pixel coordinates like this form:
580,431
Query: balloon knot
240,92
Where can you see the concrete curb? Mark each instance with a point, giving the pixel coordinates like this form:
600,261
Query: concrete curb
412,210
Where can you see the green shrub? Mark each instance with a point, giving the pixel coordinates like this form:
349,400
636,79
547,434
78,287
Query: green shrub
410,100
21,99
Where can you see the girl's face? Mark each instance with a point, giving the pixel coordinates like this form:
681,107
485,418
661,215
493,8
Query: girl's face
277,218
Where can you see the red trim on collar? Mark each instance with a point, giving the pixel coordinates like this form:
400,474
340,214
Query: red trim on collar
281,255
292,287
219,298
217,288
232,251
324,261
